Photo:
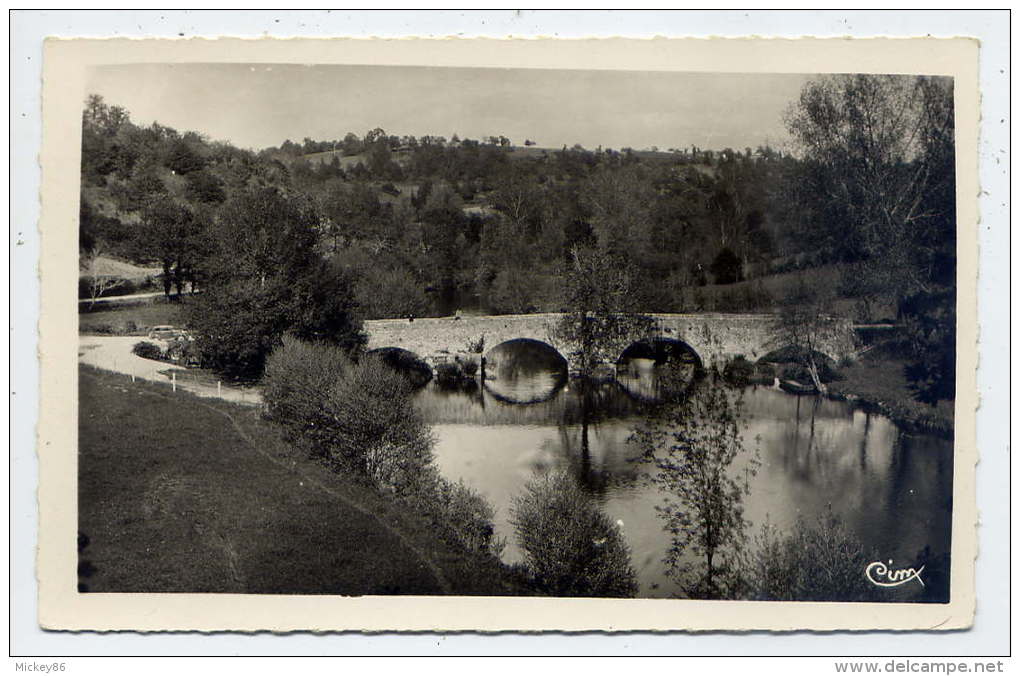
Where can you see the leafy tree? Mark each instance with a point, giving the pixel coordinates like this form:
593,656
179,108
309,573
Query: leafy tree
237,324
204,186
693,446
880,152
600,321
167,235
880,149
385,291
183,159
266,278
515,291
571,548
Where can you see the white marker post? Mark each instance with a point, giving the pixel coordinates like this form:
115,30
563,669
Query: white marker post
173,379
218,392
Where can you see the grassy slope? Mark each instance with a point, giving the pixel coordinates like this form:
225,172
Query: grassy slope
178,494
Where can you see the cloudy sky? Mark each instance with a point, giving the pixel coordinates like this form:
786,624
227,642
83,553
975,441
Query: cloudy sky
255,106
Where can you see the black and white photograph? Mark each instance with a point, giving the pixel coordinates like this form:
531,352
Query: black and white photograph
367,330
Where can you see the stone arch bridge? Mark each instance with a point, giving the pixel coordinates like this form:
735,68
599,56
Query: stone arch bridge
714,338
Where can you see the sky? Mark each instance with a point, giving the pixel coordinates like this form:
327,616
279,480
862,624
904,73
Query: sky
260,105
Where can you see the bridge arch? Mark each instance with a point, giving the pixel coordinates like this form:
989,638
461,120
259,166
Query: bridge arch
641,381
531,346
524,371
662,349
406,362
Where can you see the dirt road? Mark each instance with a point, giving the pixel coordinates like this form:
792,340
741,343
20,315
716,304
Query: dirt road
113,353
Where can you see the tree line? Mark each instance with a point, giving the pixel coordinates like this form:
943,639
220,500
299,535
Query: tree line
395,226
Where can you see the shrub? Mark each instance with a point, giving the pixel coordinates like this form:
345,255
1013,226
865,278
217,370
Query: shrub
470,368
147,350
360,418
459,514
571,548
104,328
357,415
477,346
823,561
739,371
449,375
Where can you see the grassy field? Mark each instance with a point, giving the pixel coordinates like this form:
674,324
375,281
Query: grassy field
180,494
119,320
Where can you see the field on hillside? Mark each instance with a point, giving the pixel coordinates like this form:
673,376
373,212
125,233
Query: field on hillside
180,494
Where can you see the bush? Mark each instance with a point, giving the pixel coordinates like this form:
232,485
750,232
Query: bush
357,415
571,548
360,418
739,371
823,561
147,350
458,513
449,375
477,346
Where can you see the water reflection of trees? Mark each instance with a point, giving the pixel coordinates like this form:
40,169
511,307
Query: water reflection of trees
575,431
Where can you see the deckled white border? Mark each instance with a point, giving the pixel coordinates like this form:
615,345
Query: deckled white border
61,606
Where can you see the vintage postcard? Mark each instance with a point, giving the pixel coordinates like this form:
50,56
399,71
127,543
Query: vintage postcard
496,335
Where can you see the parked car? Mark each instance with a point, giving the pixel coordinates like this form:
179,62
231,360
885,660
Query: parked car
165,333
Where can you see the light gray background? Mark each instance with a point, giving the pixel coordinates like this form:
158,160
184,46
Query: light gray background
990,635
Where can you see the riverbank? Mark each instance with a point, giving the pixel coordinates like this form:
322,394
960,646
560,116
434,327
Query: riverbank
876,382
182,494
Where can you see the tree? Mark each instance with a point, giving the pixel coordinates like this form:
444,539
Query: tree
726,267
600,321
879,149
89,268
167,235
265,278
390,291
881,155
803,324
571,548
692,447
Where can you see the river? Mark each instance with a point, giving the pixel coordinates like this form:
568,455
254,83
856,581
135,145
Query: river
892,489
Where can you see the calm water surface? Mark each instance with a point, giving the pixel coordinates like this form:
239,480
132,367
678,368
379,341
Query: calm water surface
892,489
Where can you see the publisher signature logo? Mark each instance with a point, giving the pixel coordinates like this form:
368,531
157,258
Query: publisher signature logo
881,574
